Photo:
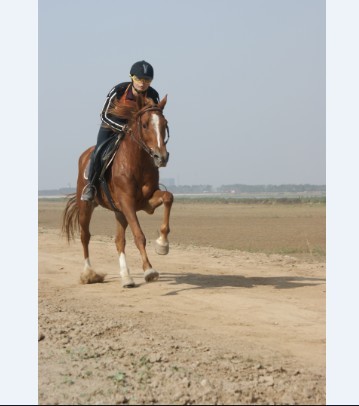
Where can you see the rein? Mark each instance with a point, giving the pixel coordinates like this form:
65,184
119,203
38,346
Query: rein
139,139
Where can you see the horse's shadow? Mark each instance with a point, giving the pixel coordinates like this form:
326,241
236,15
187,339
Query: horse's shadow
200,281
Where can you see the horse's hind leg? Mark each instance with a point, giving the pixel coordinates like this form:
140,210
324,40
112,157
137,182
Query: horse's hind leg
127,281
159,197
85,213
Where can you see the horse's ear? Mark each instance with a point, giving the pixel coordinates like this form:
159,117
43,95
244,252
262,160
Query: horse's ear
162,103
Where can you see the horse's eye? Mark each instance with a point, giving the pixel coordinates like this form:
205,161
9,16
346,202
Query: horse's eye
144,125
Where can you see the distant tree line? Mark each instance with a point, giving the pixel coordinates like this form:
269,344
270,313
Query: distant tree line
55,192
240,188
189,189
199,189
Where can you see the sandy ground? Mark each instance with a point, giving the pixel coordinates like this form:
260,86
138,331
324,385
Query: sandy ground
219,327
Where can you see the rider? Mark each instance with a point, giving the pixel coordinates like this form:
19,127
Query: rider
141,74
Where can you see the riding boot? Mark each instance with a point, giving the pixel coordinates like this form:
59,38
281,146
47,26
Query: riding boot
104,135
89,190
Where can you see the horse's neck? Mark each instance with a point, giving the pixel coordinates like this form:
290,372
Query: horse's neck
137,160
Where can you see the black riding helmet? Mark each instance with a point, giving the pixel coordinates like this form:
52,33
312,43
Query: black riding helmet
142,69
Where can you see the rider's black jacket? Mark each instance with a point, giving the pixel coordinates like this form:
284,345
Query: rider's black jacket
117,92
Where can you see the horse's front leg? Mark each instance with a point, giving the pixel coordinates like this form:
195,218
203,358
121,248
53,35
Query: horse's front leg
159,197
128,209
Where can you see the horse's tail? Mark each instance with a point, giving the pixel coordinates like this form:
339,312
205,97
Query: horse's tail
70,218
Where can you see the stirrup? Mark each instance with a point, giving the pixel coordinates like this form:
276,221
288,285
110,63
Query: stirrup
88,193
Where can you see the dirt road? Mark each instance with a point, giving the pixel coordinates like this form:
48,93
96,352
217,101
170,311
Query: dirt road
219,327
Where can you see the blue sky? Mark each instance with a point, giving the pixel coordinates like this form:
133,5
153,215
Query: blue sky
245,83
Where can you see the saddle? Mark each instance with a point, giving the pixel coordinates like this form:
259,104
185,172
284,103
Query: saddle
104,156
102,161
108,154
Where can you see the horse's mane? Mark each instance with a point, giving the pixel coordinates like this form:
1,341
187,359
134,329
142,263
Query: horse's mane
128,111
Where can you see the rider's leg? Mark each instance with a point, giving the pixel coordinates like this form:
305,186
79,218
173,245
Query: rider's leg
89,191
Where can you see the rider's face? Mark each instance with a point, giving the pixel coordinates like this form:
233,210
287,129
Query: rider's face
140,84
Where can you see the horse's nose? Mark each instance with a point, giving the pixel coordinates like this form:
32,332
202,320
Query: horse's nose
160,160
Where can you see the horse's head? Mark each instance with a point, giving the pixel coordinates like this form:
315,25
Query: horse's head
152,130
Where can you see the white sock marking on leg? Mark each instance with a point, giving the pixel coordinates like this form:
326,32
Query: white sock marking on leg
123,265
162,240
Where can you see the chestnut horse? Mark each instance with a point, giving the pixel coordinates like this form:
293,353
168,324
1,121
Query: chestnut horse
133,181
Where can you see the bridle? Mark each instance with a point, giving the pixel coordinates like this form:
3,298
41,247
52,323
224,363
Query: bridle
137,135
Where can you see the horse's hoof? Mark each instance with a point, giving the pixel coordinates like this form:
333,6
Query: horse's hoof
162,248
151,275
128,282
90,276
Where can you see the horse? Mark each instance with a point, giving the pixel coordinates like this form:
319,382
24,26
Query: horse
133,182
